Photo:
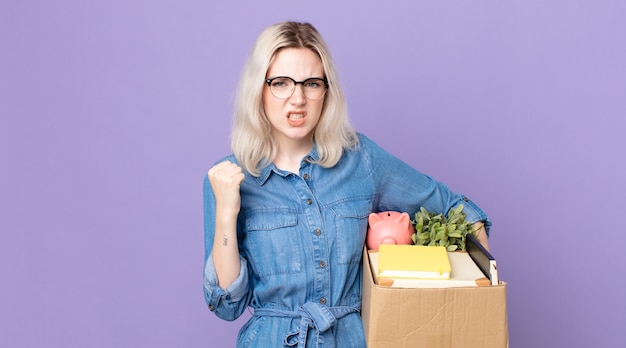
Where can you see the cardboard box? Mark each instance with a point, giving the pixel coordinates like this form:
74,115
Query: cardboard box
464,317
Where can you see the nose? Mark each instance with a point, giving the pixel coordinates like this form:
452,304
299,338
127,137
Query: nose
298,96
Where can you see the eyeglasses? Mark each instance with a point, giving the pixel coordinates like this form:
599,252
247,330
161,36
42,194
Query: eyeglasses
282,87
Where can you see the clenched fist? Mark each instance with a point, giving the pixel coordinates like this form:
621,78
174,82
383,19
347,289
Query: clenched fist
226,178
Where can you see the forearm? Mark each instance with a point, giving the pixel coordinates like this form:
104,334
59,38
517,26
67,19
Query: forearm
481,234
225,249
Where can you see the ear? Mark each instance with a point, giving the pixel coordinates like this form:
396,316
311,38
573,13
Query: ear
403,219
374,219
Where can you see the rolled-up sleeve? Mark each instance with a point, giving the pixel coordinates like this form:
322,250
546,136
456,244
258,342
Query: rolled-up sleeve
228,303
474,214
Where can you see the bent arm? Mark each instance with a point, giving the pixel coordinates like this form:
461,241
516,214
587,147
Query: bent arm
226,288
394,178
225,179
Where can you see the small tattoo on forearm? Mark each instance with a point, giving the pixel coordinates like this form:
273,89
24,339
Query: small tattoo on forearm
225,241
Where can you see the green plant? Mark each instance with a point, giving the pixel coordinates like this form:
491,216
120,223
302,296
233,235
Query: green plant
442,230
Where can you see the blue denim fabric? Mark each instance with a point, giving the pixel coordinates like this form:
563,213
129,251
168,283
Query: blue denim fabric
301,238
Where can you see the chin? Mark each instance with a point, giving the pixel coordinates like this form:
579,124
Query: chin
300,135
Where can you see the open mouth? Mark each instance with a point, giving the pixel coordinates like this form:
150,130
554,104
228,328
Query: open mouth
295,117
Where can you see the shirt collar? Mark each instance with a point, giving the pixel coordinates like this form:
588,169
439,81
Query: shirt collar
266,171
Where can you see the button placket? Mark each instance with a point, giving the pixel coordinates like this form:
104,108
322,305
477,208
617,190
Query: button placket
319,253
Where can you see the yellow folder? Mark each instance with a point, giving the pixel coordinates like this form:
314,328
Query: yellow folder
413,261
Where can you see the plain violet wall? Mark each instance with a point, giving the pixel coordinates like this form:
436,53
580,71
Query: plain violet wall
112,111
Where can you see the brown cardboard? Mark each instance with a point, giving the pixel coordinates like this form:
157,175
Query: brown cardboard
468,317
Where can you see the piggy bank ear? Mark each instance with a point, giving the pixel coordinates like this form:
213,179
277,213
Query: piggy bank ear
403,219
373,219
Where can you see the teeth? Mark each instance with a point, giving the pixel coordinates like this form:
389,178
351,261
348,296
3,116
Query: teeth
296,116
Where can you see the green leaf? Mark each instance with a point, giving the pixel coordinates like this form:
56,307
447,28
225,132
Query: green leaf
423,236
440,234
458,209
455,234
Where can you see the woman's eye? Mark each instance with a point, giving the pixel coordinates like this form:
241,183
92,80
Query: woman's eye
313,84
282,83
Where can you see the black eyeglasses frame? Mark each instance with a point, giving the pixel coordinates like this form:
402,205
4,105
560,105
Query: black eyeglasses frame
295,83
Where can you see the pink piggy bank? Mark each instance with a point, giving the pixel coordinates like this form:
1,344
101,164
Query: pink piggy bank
388,227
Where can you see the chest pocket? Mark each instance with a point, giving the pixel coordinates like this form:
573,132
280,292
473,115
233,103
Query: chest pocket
272,243
351,225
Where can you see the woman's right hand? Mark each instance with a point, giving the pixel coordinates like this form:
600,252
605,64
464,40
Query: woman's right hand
226,178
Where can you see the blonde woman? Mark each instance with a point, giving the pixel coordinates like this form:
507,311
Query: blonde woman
286,213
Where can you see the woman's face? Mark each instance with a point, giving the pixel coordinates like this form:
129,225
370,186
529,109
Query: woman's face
294,118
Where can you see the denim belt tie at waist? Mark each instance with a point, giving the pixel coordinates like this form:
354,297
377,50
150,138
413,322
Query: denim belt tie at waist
312,315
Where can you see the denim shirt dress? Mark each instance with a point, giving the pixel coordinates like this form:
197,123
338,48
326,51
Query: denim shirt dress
301,239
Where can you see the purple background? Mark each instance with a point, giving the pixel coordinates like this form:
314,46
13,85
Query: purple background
112,111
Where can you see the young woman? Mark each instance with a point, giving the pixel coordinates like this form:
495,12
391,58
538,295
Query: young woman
286,213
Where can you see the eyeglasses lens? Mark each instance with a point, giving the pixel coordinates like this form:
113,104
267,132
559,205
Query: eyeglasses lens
283,87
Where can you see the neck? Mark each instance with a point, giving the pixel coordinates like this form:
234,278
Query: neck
290,156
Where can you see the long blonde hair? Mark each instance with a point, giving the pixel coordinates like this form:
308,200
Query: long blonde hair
251,139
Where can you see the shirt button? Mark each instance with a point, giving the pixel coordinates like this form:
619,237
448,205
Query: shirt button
309,201
318,232
323,300
211,308
322,264
306,177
